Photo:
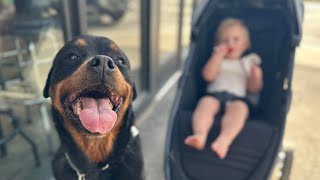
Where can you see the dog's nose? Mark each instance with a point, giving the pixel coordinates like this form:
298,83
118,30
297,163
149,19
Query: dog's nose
110,63
103,60
95,61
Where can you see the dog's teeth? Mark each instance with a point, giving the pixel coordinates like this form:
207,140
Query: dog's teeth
110,105
78,108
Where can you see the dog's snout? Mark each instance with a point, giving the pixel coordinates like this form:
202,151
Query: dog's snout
95,61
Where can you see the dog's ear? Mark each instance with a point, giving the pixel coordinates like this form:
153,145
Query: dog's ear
47,86
134,92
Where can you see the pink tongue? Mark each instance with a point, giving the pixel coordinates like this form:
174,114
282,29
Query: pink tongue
96,115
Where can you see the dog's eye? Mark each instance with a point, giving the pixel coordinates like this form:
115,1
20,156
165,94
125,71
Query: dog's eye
121,61
73,57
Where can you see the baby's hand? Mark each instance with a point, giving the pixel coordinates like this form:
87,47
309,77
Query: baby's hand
221,50
256,72
255,80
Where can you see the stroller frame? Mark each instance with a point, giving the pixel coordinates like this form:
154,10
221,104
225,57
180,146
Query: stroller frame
275,30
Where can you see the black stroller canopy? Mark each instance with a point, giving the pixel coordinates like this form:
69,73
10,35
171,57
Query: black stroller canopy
275,31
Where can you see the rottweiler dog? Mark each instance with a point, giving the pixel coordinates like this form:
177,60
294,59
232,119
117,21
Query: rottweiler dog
91,89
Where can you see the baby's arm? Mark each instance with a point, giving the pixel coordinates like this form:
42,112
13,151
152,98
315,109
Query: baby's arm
255,80
211,69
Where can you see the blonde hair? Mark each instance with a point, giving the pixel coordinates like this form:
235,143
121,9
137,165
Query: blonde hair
230,22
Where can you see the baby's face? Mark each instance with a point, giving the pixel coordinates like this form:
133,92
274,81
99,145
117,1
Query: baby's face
234,37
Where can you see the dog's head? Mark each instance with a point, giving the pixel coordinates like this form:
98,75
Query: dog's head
90,85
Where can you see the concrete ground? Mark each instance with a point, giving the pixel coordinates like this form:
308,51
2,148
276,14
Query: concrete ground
301,133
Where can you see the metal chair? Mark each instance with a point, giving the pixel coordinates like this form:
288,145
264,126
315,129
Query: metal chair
5,138
18,91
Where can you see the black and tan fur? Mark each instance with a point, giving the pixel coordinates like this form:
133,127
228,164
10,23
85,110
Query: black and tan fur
81,68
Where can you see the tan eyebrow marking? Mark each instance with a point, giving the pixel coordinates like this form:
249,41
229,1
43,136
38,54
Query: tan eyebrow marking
113,46
81,43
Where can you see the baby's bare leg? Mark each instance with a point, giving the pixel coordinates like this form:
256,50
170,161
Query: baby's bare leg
202,121
231,124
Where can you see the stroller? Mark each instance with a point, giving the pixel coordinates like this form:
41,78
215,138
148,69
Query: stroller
275,32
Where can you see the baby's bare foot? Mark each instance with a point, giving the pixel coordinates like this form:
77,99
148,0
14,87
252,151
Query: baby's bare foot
220,147
195,141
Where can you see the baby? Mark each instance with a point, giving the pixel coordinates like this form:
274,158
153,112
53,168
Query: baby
230,76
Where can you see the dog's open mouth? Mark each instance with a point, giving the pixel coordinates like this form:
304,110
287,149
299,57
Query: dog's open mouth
96,109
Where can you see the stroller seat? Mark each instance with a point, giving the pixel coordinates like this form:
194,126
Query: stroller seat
244,154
